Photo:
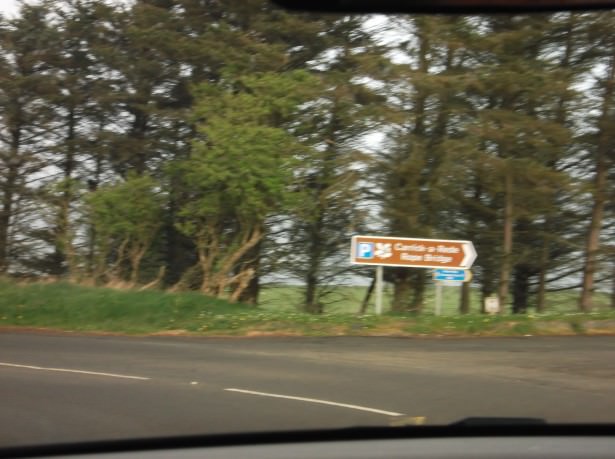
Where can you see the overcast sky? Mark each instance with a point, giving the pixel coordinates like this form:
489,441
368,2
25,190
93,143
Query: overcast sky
8,7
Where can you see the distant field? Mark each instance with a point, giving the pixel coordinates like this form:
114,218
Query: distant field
347,299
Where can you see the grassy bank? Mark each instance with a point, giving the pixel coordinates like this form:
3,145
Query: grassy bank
65,306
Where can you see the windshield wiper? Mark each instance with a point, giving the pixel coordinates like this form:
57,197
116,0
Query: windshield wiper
498,421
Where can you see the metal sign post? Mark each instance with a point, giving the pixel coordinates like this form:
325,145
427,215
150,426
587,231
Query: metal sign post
378,290
438,309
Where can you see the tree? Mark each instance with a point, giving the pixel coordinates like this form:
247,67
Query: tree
601,154
24,115
76,98
414,171
329,175
236,178
512,143
126,217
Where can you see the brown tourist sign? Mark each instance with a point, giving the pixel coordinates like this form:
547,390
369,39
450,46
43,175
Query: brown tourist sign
411,252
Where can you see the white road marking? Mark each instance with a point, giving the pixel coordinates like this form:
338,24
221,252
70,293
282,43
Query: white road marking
315,400
66,370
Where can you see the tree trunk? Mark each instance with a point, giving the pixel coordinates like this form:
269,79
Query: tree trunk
521,289
418,287
138,132
613,288
242,280
464,300
505,267
542,278
135,264
220,280
179,250
368,295
593,237
599,194
204,264
93,186
314,259
408,286
171,254
311,305
207,245
65,255
401,291
8,195
6,215
156,281
249,294
67,237
316,228
408,290
561,118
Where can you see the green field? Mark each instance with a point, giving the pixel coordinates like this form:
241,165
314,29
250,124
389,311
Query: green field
75,308
346,299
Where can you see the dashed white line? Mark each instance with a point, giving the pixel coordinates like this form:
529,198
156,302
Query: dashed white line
67,370
315,400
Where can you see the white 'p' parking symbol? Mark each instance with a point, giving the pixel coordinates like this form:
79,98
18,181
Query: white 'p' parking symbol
365,250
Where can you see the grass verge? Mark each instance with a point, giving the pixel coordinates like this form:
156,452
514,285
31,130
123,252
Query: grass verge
63,306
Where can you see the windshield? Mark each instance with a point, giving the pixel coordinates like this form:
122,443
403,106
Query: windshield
221,216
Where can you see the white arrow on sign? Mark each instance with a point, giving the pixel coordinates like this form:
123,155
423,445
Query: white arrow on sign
469,255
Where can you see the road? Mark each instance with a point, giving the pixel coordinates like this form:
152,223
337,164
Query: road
64,388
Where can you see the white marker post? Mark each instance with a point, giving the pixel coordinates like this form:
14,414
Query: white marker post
379,290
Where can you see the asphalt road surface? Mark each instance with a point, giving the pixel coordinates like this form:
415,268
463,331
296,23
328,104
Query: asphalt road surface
65,388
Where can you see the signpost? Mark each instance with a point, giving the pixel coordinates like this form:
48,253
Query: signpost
379,275
451,258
